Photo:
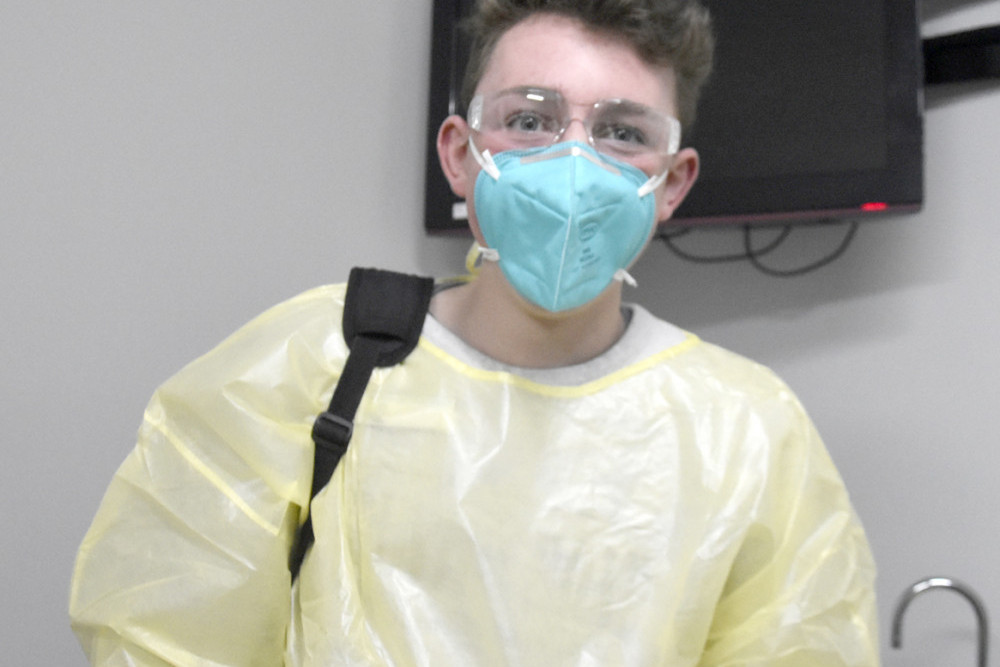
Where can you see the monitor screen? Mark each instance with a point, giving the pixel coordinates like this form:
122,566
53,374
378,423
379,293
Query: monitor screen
813,112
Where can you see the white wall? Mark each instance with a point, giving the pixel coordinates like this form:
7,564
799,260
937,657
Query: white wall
169,169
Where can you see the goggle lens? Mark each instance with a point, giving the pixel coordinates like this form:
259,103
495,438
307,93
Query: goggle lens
530,117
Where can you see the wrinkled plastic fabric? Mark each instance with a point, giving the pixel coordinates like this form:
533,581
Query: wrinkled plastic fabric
679,512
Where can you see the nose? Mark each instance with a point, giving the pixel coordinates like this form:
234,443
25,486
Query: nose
576,130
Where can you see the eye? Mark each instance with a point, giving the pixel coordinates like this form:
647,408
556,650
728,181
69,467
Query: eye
529,121
620,133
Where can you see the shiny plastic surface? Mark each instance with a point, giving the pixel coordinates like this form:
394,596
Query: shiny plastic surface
681,511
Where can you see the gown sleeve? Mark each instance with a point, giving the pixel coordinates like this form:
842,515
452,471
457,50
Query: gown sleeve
186,560
801,589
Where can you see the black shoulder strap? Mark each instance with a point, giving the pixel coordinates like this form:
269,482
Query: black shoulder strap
384,314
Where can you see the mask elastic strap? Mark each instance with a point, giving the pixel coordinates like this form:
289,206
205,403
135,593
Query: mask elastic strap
485,160
621,275
488,254
476,252
648,187
653,183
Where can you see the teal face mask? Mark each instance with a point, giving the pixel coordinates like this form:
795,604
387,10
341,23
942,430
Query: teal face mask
563,221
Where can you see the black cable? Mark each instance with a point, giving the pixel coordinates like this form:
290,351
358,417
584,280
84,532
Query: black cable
668,240
753,255
852,228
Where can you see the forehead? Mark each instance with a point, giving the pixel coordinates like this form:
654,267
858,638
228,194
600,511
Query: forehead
560,53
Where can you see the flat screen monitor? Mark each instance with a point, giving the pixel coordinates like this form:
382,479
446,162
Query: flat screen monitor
813,112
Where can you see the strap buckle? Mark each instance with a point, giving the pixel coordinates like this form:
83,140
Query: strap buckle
332,432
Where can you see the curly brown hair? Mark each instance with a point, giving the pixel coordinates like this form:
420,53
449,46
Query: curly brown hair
675,33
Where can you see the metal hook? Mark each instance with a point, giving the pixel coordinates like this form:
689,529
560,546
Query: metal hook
943,582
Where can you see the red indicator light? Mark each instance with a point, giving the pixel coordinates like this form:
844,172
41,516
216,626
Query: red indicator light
874,206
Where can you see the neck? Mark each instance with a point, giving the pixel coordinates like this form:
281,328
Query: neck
488,315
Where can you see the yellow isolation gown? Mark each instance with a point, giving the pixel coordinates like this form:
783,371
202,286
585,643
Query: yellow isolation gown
670,504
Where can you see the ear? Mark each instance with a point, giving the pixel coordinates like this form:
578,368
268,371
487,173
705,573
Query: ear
683,174
453,150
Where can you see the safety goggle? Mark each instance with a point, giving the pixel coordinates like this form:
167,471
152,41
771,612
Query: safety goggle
530,117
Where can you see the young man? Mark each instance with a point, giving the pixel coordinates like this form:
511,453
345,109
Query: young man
554,55
551,477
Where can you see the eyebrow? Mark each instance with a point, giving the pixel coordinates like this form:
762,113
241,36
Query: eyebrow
631,106
543,93
540,94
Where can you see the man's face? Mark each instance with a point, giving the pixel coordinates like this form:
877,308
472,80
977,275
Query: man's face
554,52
